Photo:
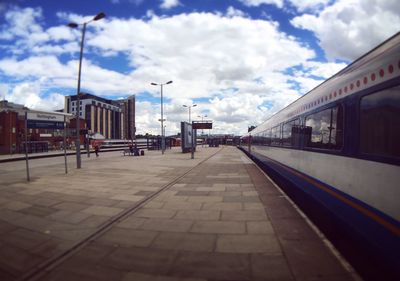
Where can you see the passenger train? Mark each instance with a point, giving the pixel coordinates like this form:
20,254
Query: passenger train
336,153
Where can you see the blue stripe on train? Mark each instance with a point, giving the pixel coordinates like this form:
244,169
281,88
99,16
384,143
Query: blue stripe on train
339,221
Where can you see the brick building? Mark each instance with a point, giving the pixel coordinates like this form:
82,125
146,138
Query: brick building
12,131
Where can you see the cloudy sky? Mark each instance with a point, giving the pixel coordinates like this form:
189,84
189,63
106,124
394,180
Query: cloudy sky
240,61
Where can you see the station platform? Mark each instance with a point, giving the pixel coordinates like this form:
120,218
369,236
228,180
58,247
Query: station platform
157,217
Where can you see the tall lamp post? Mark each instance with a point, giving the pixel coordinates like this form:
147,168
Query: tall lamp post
162,114
99,16
189,106
193,139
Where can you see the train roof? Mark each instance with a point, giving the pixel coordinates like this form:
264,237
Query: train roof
376,66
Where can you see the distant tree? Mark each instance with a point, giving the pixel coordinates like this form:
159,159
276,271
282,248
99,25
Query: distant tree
251,128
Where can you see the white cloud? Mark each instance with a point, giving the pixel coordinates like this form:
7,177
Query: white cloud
256,3
309,5
58,33
201,52
322,70
232,12
235,65
94,78
168,4
29,94
21,23
349,28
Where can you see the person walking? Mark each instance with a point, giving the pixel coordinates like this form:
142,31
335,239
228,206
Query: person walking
96,150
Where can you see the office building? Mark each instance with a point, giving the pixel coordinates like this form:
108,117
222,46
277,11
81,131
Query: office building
114,119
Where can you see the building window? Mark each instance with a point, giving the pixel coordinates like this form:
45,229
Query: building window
380,123
326,128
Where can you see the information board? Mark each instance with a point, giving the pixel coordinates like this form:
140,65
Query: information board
36,120
202,125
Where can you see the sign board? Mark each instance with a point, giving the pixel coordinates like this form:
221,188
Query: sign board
37,120
202,125
45,117
186,137
36,124
45,135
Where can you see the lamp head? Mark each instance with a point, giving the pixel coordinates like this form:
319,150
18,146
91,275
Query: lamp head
73,25
154,84
99,16
169,82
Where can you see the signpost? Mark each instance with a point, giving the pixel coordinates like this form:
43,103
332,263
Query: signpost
44,120
189,134
26,146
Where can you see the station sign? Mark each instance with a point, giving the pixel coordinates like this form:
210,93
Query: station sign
202,125
39,120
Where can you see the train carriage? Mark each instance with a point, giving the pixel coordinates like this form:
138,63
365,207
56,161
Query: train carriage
336,151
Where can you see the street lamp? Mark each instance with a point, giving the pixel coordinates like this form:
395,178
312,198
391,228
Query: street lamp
162,114
99,16
189,106
193,139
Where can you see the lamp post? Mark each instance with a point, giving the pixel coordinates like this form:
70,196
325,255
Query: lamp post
78,142
162,114
193,139
189,106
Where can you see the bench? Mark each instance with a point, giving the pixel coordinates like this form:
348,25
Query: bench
134,152
127,151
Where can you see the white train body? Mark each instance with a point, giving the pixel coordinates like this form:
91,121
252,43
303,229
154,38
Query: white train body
339,145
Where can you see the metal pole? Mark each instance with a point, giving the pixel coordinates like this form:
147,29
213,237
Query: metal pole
192,150
65,149
26,146
189,116
9,114
78,142
88,145
162,121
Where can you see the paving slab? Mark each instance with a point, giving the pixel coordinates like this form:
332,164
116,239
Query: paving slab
157,217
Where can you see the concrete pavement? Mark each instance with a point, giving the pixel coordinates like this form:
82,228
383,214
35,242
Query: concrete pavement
157,217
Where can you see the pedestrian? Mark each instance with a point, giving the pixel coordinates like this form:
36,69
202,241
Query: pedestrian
96,150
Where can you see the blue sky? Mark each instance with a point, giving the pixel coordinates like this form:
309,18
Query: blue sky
240,61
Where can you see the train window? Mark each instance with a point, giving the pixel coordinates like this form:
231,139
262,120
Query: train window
287,132
326,128
267,140
257,139
276,135
380,123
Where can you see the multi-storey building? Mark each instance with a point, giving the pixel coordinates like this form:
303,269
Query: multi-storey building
128,112
112,119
